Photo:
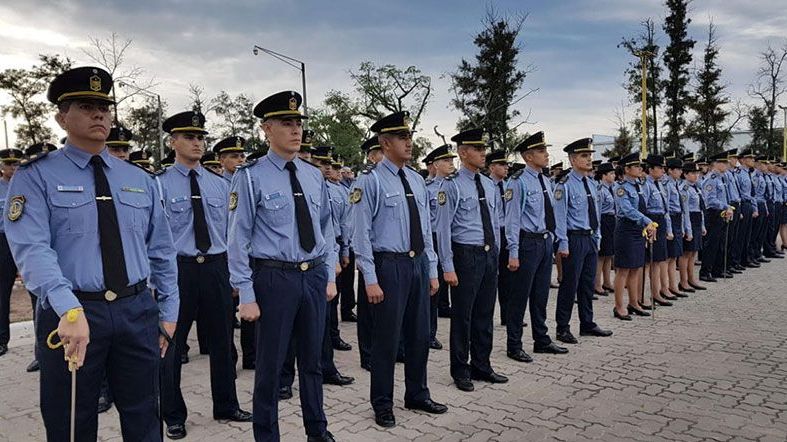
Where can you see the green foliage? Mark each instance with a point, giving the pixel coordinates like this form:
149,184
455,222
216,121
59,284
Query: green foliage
677,58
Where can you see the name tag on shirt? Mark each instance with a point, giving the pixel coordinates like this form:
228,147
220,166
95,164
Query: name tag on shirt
272,196
70,189
178,199
132,189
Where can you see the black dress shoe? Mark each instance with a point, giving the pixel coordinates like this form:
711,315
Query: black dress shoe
663,303
184,358
33,366
706,278
668,297
752,265
635,311
237,416
685,289
646,307
349,317
104,404
285,393
608,288
490,377
678,294
435,344
763,260
773,256
740,267
566,337
596,331
340,345
519,355
697,287
177,431
326,437
385,419
621,317
338,379
552,348
601,293
734,271
428,406
464,384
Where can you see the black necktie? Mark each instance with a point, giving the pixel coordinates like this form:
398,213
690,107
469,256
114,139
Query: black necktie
699,195
416,235
201,235
751,180
486,220
591,205
502,193
112,258
726,189
641,205
663,199
549,212
302,216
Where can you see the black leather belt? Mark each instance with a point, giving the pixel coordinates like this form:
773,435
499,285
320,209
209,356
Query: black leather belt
580,232
285,265
533,235
201,259
676,214
109,295
411,254
483,248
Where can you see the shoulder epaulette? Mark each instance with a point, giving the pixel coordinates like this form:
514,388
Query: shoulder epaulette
160,172
450,177
429,181
369,167
412,168
248,163
30,160
563,179
139,166
310,163
215,173
517,174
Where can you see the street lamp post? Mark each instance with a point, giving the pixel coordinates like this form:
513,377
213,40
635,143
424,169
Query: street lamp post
159,115
643,61
297,64
784,134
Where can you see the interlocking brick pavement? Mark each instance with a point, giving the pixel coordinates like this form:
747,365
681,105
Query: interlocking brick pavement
713,367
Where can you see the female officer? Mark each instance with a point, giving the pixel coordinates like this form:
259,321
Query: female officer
605,176
658,212
692,243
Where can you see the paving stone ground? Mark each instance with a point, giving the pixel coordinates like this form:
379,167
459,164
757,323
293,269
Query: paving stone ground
714,367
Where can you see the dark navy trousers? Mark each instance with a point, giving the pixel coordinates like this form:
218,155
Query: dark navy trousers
530,283
7,277
364,324
293,307
346,287
713,242
579,275
740,251
326,359
124,347
504,277
403,312
473,302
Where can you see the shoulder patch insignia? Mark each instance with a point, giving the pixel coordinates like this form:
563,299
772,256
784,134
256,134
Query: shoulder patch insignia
621,191
684,198
28,161
233,200
709,187
441,198
16,207
558,194
355,195
509,193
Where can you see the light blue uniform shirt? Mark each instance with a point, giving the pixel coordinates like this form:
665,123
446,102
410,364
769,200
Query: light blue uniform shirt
433,186
627,202
263,223
714,192
340,213
214,192
571,208
744,179
4,185
459,218
606,199
381,219
525,207
227,175
676,201
777,189
693,205
502,212
758,181
55,242
732,186
655,203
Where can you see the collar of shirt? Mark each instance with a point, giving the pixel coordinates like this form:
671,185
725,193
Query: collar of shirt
185,170
576,175
278,161
463,171
532,171
82,158
393,168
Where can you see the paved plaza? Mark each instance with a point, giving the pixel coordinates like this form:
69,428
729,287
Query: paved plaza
713,367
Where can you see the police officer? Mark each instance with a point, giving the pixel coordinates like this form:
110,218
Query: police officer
692,242
530,233
119,141
10,160
630,225
775,207
744,175
718,211
88,230
373,153
196,202
305,152
210,161
733,258
168,160
578,233
497,164
346,279
681,225
231,152
283,260
440,163
468,229
656,210
760,192
605,176
393,245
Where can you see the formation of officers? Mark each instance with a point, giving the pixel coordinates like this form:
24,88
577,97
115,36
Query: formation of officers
121,260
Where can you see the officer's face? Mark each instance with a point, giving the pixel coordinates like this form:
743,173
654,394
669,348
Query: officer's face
498,170
347,174
8,169
582,162
398,146
537,158
215,167
231,160
375,156
634,171
444,166
304,155
692,177
473,156
721,166
675,173
86,119
733,161
325,168
188,147
284,135
656,172
118,152
608,177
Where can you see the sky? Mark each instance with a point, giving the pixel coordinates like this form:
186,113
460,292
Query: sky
571,44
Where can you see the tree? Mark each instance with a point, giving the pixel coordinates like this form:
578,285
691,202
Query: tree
487,88
758,125
624,141
387,89
26,88
709,126
339,123
645,43
235,118
143,122
769,87
677,58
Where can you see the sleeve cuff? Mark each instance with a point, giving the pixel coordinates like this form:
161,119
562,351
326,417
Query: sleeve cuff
247,295
370,278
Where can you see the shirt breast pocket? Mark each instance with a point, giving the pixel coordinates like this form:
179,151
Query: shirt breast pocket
276,209
217,208
392,205
180,209
468,203
532,198
73,213
134,210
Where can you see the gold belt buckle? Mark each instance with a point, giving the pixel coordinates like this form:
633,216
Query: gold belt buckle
200,259
110,296
486,247
304,266
411,253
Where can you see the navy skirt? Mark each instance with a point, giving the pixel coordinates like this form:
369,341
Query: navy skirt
675,246
658,249
629,245
607,235
695,245
783,212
